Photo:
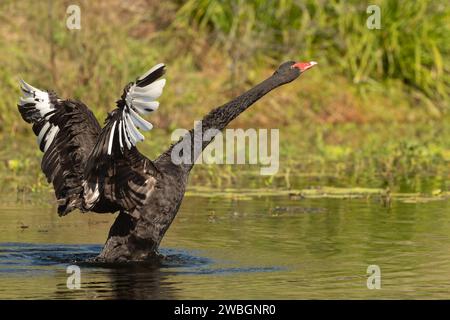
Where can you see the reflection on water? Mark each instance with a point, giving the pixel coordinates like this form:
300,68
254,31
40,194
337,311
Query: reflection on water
26,262
268,247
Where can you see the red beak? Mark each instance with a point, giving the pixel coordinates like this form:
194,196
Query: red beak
303,66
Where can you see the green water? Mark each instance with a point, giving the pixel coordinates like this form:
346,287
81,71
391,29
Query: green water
265,247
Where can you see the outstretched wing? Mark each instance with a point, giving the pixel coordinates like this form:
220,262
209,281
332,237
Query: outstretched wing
118,176
66,132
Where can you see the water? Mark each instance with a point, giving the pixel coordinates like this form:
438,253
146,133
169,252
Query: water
268,247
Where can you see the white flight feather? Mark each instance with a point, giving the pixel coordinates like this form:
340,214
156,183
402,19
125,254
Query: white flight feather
44,108
111,137
159,65
153,91
139,101
120,134
51,135
38,97
141,97
42,132
124,131
139,122
130,135
132,128
27,87
146,106
26,100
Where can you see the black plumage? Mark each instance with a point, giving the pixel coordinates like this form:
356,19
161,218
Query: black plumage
101,170
154,75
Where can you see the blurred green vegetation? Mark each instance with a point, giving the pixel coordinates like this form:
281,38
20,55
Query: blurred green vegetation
411,46
373,113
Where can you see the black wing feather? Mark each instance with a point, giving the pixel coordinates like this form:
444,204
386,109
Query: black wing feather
67,131
122,178
118,176
152,77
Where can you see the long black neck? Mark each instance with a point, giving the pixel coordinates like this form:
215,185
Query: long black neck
220,117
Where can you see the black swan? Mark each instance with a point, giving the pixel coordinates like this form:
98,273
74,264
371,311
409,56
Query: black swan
101,170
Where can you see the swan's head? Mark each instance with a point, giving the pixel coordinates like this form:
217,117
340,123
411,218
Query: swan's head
290,70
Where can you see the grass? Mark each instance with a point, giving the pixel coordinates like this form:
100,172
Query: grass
373,113
411,46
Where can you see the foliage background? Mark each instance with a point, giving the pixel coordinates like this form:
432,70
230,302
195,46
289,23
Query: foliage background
373,113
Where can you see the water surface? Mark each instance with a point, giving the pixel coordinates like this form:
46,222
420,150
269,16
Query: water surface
265,247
